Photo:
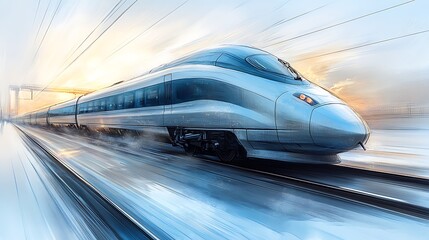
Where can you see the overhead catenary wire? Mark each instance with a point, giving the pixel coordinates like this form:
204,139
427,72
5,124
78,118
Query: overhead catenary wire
47,29
41,23
117,6
86,49
280,22
147,29
37,11
364,45
340,23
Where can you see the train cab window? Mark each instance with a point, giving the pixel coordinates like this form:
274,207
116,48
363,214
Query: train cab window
103,104
120,101
139,100
232,62
111,103
152,96
270,63
129,100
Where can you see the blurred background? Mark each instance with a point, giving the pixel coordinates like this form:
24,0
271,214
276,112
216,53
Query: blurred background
372,54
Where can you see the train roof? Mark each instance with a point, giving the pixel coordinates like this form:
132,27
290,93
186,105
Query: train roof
209,56
67,103
240,51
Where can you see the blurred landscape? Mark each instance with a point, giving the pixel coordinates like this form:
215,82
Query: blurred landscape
406,117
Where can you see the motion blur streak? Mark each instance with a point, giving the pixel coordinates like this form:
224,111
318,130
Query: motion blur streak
32,202
183,197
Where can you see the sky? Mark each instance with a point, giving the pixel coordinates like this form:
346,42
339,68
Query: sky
370,53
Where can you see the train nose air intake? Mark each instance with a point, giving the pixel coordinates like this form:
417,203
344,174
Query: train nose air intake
337,126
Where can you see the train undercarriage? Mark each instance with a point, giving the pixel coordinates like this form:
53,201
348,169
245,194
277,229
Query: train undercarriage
223,144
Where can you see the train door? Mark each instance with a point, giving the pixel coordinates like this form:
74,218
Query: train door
167,98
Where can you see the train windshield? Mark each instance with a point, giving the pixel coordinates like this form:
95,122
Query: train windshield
272,64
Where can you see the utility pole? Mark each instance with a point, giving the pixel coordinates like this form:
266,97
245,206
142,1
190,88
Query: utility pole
32,88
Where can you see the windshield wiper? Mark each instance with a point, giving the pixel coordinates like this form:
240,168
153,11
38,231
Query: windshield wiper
295,74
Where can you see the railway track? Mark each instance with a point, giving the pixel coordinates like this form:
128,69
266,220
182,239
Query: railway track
295,174
98,207
368,198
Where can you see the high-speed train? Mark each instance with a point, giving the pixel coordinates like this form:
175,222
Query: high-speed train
235,101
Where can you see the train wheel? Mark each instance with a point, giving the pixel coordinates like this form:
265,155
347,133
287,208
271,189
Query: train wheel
230,151
190,150
232,155
228,156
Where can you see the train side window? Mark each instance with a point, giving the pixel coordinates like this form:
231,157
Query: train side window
152,96
181,91
120,101
103,104
221,91
82,108
90,106
129,100
185,90
111,103
139,100
96,105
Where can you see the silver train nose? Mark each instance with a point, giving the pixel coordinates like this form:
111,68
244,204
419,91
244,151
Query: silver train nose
336,126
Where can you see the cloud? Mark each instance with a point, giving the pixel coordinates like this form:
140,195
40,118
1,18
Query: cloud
339,86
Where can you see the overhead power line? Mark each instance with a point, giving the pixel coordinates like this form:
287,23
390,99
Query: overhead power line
90,45
37,11
340,23
147,29
117,6
364,45
292,18
47,29
41,23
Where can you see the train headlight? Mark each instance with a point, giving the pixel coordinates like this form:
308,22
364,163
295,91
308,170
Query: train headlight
306,98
